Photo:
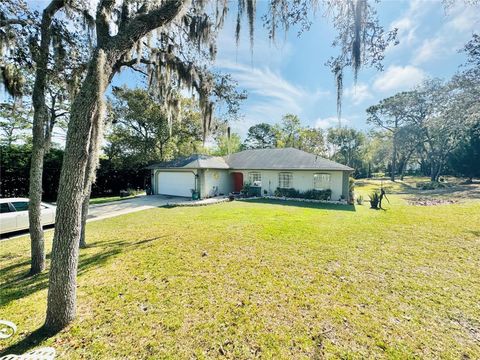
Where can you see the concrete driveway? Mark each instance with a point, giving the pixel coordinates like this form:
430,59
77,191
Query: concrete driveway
142,202
116,208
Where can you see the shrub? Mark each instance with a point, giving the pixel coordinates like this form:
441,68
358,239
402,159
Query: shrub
360,200
432,185
246,189
309,194
291,193
374,200
317,194
351,189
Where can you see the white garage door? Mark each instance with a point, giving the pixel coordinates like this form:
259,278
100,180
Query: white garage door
175,183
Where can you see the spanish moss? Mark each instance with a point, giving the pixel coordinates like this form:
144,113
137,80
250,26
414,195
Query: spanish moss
251,20
241,8
338,72
360,9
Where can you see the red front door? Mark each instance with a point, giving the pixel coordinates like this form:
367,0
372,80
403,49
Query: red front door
237,181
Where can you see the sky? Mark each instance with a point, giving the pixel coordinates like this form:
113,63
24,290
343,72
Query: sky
289,76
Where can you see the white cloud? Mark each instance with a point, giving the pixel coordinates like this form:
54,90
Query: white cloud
331,121
406,30
397,78
409,22
430,49
274,96
265,83
459,24
464,19
358,94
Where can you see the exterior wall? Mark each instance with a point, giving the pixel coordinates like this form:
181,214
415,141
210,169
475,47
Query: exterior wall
207,179
214,178
302,180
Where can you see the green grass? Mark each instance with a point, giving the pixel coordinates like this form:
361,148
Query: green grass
266,279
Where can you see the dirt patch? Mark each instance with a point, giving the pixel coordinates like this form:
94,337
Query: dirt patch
431,201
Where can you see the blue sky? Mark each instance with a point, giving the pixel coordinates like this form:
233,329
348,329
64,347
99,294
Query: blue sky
290,77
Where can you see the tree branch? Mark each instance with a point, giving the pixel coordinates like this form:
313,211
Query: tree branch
7,22
142,24
102,21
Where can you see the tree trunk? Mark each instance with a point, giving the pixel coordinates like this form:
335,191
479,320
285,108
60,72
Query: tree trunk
61,303
40,141
37,243
86,201
402,171
87,106
435,172
393,169
96,135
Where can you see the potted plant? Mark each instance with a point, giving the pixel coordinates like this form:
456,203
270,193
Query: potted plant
195,194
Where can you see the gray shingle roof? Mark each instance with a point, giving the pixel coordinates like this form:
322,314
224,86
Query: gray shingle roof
193,162
275,159
260,159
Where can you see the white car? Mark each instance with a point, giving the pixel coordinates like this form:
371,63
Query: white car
14,214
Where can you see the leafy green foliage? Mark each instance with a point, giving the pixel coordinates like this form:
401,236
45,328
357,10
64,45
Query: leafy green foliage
308,194
15,167
359,199
14,123
465,159
348,146
261,136
227,144
291,193
374,199
142,132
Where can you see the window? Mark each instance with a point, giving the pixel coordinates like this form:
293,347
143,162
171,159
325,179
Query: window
321,181
285,180
4,208
20,205
255,178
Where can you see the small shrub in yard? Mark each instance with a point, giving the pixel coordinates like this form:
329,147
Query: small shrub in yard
432,185
317,194
309,194
246,189
291,193
374,200
351,190
360,200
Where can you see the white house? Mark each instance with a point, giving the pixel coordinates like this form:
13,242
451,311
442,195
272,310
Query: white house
271,168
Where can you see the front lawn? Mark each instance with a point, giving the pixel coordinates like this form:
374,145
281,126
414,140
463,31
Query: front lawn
257,279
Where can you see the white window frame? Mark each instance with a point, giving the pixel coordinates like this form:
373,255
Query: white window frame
322,181
254,176
283,183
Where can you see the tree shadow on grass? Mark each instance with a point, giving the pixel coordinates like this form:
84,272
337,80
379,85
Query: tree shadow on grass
20,284
23,285
303,204
31,341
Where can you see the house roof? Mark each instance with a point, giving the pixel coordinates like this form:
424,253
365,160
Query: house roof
193,162
276,159
259,159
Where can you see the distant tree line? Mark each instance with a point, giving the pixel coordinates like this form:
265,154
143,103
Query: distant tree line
431,130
